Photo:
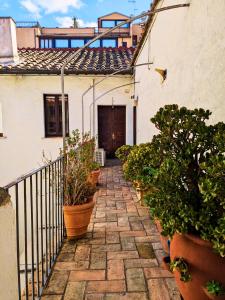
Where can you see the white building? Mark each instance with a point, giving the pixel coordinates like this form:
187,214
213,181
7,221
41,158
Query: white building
188,46
30,117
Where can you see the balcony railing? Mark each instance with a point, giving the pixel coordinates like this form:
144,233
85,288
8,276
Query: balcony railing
38,199
27,24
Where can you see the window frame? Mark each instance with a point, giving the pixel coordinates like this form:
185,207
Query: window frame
57,100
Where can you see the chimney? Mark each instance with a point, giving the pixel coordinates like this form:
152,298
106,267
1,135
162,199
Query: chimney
8,41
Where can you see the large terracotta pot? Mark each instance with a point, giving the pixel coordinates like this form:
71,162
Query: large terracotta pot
77,218
203,263
164,239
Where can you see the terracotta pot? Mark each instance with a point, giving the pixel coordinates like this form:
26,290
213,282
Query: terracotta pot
164,239
213,297
203,263
77,218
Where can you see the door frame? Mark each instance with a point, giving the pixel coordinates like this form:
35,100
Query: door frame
110,105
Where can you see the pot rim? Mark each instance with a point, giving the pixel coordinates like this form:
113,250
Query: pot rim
90,203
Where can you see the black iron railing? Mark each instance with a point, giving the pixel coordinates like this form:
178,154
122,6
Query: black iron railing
38,199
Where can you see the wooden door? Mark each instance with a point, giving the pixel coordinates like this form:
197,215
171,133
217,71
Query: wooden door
111,128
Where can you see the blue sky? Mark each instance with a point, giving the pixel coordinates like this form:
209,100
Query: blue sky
59,12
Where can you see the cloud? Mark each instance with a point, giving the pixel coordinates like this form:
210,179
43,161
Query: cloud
31,7
50,6
4,5
68,22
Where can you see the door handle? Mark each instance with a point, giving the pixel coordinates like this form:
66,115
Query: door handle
113,136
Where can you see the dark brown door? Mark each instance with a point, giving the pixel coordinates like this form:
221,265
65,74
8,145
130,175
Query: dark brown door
111,128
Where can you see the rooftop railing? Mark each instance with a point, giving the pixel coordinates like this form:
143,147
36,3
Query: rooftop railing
27,24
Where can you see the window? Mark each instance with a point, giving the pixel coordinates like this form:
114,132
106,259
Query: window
77,43
96,44
123,26
61,43
46,43
124,44
108,24
53,115
109,43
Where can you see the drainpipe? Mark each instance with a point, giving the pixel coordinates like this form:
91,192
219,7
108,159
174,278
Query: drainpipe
75,55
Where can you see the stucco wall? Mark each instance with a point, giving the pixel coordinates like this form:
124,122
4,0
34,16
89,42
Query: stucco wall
21,98
8,273
190,44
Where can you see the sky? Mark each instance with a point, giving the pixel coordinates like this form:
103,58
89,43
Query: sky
59,13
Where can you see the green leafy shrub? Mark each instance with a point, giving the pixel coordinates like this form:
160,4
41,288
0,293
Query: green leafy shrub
215,288
138,165
123,152
190,174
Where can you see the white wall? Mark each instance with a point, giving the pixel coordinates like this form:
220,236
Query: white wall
8,273
190,44
21,98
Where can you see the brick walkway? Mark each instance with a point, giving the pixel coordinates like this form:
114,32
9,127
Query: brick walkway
121,255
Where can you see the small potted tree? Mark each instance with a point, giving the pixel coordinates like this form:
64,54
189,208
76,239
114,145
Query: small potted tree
189,201
78,192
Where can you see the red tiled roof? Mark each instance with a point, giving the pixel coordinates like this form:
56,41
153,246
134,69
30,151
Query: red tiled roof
90,61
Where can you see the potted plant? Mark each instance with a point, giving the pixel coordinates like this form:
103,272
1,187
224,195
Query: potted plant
189,200
95,173
78,193
214,290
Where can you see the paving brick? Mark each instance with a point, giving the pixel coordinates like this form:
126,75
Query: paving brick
74,291
127,296
127,243
135,280
122,255
145,250
157,273
111,286
66,256
136,225
69,246
82,253
118,228
115,269
57,283
87,275
158,290
147,239
95,297
112,237
133,233
140,263
98,260
52,297
106,248
70,266
173,290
